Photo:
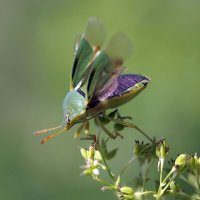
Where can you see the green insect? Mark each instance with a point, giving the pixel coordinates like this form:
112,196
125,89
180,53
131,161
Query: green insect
97,83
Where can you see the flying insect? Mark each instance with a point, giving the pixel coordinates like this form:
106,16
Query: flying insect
97,83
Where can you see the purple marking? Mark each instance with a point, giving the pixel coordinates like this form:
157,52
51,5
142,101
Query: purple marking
124,82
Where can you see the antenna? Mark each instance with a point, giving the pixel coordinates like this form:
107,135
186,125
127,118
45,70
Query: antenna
46,130
52,135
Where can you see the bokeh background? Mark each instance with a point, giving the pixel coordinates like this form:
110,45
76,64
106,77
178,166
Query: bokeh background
36,56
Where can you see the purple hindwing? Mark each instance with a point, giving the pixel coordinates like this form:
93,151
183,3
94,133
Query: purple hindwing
125,83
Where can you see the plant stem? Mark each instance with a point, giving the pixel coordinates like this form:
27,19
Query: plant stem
183,194
127,164
161,160
138,194
105,163
162,183
104,182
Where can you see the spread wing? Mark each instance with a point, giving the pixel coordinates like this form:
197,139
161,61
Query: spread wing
108,65
95,71
86,47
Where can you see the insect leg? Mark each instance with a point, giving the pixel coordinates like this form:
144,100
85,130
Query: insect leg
84,126
104,128
78,131
87,127
90,137
130,125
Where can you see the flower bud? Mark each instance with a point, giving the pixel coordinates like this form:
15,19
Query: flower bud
161,148
191,162
88,172
180,162
84,152
91,152
97,155
140,148
198,163
174,187
127,192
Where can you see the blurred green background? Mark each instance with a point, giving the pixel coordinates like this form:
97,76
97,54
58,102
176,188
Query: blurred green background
36,56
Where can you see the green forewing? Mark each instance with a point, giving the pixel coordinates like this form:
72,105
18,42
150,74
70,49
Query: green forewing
86,48
101,62
82,58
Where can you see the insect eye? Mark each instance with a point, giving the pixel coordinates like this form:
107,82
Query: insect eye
67,119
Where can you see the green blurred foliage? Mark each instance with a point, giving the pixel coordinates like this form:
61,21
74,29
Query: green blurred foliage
36,56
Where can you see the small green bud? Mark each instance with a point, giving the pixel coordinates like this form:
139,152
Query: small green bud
127,192
136,150
91,152
161,148
162,151
191,162
174,187
140,148
180,162
97,155
84,153
88,172
198,163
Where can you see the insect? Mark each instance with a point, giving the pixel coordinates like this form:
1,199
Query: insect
97,83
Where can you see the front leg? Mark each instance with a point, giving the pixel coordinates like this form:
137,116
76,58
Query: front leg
84,126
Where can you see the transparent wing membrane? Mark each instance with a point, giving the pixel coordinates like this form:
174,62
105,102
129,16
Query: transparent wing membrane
108,65
95,32
119,47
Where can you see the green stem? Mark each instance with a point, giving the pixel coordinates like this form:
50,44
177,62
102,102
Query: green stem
139,194
105,163
127,164
104,182
162,183
103,157
161,168
168,175
165,188
183,194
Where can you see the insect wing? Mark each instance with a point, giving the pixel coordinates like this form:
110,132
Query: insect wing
108,65
86,48
128,86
